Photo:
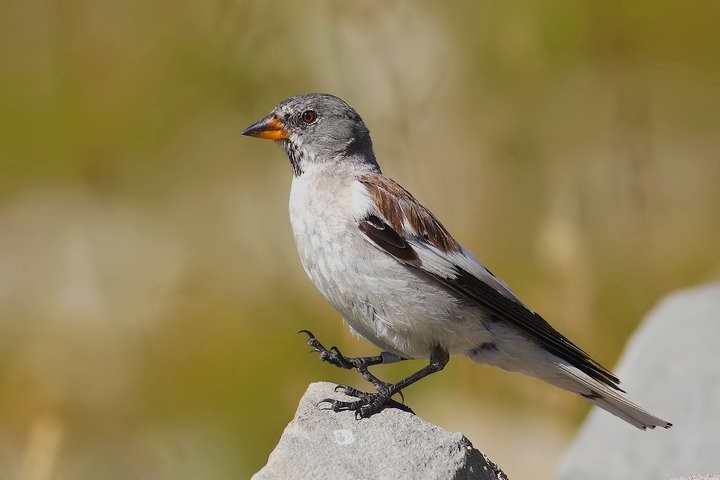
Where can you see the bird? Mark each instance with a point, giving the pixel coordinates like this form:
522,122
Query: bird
400,280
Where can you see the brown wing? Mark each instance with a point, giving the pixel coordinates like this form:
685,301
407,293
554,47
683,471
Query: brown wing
398,206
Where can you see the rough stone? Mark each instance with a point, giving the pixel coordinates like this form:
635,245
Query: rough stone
672,368
393,444
699,477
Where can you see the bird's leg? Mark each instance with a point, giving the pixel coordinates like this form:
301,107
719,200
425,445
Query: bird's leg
368,404
333,356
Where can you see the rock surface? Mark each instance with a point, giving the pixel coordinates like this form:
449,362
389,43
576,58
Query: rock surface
671,367
699,477
392,444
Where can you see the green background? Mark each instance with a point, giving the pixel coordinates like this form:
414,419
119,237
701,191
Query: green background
150,293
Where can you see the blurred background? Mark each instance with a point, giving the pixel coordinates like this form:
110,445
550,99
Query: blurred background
150,291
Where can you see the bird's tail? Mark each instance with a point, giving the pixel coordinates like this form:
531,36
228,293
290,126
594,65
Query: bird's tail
549,368
605,397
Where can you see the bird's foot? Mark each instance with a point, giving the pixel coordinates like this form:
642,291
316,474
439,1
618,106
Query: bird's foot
333,356
367,404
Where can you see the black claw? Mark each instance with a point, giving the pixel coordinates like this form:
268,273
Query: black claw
327,400
308,333
350,391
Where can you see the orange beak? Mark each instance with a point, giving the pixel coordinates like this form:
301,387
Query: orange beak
269,127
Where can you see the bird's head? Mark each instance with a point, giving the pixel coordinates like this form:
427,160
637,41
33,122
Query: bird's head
317,128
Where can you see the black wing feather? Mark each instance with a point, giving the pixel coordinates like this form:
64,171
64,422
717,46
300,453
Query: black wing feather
506,309
501,307
384,236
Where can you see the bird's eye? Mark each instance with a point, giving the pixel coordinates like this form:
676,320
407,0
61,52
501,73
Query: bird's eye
309,116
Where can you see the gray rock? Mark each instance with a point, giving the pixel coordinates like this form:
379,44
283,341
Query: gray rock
393,444
699,477
672,368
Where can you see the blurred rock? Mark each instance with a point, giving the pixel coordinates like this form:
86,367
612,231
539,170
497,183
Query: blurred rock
320,443
672,368
699,477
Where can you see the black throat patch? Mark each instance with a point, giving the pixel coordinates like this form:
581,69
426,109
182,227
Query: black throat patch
294,154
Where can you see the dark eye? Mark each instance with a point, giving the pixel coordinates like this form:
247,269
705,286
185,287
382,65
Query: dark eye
309,116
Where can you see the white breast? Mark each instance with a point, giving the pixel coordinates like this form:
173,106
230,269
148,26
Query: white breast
394,306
